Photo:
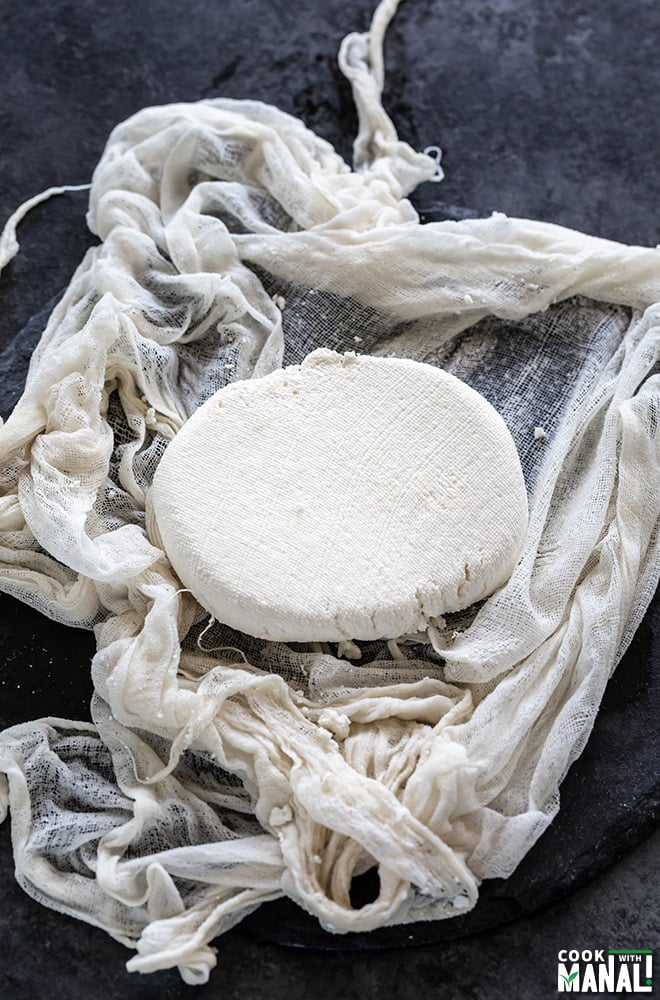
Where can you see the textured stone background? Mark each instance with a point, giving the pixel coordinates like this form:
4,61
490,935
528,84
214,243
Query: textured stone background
543,110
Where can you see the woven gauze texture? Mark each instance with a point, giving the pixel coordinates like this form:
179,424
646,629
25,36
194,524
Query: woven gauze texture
222,770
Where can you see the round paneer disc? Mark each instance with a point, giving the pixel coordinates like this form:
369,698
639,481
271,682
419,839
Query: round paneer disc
343,498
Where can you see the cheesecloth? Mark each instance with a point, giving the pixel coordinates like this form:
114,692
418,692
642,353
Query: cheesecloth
221,771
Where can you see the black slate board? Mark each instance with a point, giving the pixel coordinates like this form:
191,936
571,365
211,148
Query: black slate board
539,110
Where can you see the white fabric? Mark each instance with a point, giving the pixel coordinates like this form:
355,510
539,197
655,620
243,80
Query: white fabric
342,498
212,781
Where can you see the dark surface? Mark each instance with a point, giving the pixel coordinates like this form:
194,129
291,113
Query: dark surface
548,111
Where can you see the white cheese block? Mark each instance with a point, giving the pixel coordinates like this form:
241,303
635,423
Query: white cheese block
343,498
